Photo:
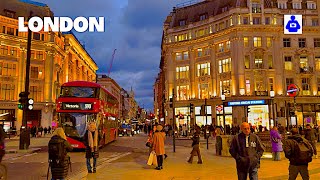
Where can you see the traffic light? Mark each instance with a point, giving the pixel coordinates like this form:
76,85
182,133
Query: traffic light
171,104
23,99
191,108
30,104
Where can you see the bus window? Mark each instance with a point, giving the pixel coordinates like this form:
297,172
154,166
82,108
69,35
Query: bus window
67,91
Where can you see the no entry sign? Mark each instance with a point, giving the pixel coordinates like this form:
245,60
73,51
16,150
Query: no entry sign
293,90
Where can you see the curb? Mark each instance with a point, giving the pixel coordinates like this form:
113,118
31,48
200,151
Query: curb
31,150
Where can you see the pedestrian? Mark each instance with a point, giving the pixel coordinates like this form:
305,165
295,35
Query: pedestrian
49,130
45,130
91,139
59,161
2,142
195,147
246,148
311,136
276,143
158,146
299,152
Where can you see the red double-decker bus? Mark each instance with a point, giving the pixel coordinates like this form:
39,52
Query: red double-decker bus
82,102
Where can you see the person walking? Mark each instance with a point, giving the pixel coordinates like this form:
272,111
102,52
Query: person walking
276,143
299,152
311,136
246,148
2,142
158,146
195,147
91,139
58,149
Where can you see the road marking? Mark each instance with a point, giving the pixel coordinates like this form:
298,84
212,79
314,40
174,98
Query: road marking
84,173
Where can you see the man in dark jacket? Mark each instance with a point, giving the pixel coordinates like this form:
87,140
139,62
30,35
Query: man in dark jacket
246,148
289,148
310,135
195,147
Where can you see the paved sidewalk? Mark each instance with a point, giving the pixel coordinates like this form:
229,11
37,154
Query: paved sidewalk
36,144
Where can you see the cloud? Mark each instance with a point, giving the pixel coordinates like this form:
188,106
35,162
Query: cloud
134,28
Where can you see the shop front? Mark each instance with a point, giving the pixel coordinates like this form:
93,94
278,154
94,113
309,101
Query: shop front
227,114
306,114
202,118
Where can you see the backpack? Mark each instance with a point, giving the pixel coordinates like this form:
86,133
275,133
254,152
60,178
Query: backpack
57,152
303,152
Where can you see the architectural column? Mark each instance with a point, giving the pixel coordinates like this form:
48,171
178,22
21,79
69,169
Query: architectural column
213,70
278,65
192,71
237,65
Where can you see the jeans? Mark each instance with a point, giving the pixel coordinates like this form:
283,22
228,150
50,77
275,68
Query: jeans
89,164
276,156
295,170
253,174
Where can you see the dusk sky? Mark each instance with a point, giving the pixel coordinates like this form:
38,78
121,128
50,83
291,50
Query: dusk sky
132,27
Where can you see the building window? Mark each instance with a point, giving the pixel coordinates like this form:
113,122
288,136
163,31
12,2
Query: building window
203,69
258,63
7,91
203,17
314,22
302,42
13,51
203,91
305,86
248,87
288,63
39,55
256,7
36,36
247,62
34,72
311,5
200,54
10,31
296,5
182,23
207,51
259,84
183,37
257,42
256,20
228,45
269,41
282,5
245,20
231,21
286,42
220,47
10,14
182,72
225,87
4,50
178,56
271,84
267,20
225,65
303,62
270,61
316,42
35,93
246,41
318,86
182,92
317,62
289,81
185,55
7,69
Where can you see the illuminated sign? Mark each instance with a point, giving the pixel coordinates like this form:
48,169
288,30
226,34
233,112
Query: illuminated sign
292,24
246,103
76,106
62,24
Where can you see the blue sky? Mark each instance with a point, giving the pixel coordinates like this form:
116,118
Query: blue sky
134,28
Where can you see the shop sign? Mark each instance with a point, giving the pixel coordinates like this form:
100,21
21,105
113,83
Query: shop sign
219,108
293,90
246,103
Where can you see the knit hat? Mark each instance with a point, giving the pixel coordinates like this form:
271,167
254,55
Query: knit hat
159,128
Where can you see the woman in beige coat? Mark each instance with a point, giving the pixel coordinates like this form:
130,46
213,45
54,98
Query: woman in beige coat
158,145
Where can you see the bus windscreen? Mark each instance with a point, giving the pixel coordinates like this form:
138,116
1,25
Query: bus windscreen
84,92
75,124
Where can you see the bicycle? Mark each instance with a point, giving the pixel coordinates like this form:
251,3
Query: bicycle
3,172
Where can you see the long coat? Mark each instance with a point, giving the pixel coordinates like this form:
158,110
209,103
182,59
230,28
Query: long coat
158,143
61,171
275,139
89,153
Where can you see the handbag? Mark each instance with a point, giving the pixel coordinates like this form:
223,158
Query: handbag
148,144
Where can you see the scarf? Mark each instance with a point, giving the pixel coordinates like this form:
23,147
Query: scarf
93,141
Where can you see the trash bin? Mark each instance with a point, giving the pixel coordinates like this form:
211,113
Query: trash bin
218,145
226,141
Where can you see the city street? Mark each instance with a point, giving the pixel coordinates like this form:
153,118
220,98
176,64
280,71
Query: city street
126,159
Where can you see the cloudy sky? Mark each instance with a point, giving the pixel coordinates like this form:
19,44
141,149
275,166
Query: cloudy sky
134,28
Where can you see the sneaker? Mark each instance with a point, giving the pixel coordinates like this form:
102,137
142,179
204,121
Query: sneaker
94,171
199,162
89,171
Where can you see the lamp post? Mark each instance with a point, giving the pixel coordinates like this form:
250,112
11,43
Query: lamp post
223,98
272,105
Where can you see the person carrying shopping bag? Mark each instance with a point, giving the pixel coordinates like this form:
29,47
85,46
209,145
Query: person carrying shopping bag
158,146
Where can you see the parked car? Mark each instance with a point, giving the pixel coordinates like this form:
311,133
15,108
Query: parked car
125,130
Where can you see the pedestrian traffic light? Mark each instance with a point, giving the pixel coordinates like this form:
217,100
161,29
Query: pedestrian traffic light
191,108
30,104
171,103
23,100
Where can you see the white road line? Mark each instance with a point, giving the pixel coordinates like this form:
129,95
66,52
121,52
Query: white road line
84,173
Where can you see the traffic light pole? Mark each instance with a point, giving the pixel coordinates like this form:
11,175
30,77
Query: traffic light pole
24,133
205,108
174,123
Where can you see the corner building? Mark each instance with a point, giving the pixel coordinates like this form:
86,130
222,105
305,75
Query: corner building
238,49
55,59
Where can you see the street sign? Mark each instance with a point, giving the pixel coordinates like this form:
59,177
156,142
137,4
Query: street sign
293,90
219,108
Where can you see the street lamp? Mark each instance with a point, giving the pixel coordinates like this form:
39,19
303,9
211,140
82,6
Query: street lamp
272,105
223,98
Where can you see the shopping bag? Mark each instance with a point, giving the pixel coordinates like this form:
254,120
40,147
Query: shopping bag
150,159
155,162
